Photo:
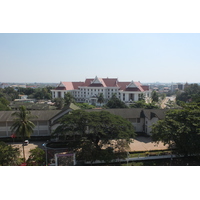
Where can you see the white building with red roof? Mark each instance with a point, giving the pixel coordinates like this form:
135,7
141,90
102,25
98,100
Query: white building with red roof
89,90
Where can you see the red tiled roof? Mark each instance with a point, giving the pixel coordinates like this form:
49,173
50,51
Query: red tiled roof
77,84
88,83
106,82
139,87
110,82
145,87
60,88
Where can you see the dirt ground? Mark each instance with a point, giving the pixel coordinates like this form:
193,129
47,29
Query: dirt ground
139,144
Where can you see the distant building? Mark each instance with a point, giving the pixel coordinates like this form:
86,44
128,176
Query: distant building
4,85
89,90
177,86
166,89
18,86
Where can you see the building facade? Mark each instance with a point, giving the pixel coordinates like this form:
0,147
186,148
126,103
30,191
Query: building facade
42,123
89,90
47,121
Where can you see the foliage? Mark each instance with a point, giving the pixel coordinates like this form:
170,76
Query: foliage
100,98
8,93
22,125
59,103
85,105
154,96
9,156
142,97
37,157
180,128
191,94
171,104
4,104
98,132
162,96
114,102
68,98
142,104
26,91
42,93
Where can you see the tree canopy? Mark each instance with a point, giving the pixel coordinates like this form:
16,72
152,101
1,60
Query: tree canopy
9,156
59,103
114,102
69,98
142,104
37,157
191,94
84,105
100,98
154,96
97,132
4,104
180,128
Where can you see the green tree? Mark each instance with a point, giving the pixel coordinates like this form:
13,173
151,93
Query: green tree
191,94
69,98
97,132
114,102
10,94
59,103
4,104
180,128
100,98
41,93
142,104
154,96
9,156
37,157
85,105
162,96
22,125
142,97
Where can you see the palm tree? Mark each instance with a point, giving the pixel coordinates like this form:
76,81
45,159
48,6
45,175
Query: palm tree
22,126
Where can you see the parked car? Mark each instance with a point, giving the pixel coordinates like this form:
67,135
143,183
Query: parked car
26,142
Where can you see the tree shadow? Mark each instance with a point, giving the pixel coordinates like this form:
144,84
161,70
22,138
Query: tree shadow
144,139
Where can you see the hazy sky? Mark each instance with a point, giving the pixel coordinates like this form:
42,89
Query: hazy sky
145,57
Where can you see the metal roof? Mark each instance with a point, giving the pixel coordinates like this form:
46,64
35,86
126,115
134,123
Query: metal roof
41,115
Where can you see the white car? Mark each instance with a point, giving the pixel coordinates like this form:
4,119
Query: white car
26,142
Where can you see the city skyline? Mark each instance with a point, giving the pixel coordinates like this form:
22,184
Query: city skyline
146,57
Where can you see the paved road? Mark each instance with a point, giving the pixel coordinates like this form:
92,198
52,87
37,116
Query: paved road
139,144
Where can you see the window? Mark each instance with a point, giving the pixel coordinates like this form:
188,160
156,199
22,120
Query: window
138,120
42,122
2,124
3,133
43,132
10,123
133,120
